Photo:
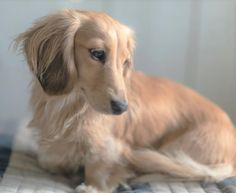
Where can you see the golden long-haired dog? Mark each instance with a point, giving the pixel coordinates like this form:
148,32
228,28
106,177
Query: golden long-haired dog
91,108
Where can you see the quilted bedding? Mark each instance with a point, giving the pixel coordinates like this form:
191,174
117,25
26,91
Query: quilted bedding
20,173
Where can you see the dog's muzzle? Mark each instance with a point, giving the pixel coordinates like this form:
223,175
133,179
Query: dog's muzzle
118,106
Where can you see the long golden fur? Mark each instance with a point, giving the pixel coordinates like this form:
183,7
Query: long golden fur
167,131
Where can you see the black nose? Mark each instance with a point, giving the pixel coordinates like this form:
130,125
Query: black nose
118,107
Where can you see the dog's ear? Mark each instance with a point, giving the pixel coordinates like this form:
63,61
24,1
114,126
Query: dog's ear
131,47
131,40
49,50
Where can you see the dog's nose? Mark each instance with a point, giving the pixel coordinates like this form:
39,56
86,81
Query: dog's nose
118,106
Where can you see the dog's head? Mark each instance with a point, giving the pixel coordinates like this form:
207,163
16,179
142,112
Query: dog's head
85,50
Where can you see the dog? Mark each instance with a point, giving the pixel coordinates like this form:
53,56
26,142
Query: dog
92,109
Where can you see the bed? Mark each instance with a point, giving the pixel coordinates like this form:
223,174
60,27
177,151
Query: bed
20,173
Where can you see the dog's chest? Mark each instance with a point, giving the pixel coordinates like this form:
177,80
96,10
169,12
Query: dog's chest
72,136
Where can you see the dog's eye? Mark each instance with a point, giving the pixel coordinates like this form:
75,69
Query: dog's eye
98,54
126,62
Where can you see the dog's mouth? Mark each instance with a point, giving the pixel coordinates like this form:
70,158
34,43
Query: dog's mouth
99,108
115,107
83,90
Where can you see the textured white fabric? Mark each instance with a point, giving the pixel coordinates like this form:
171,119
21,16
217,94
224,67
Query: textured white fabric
23,175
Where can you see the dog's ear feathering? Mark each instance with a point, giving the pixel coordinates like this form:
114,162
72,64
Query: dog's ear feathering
49,50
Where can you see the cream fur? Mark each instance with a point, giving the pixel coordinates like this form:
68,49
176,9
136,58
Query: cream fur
168,131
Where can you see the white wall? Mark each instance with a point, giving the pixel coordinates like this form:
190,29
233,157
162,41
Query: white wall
191,41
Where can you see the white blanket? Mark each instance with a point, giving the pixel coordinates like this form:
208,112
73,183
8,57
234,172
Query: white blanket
22,174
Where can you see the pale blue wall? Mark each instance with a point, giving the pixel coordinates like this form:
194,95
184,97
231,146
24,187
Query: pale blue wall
191,41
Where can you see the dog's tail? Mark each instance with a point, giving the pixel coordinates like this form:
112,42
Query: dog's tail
178,166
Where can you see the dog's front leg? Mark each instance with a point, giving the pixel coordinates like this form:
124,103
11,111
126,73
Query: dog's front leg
96,179
105,170
82,188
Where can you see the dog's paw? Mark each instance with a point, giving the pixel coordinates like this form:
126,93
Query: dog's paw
82,188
